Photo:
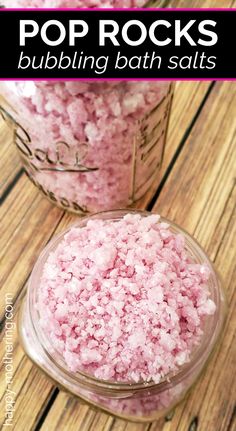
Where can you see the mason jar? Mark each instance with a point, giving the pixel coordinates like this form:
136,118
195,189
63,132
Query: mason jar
144,401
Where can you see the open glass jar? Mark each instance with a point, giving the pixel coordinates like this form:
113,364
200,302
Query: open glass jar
143,402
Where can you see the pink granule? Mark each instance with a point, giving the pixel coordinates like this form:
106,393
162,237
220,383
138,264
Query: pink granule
73,3
123,300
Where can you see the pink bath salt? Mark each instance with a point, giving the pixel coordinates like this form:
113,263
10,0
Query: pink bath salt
73,3
117,306
89,129
75,109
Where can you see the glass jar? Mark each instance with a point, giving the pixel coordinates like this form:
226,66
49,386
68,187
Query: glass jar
142,402
89,146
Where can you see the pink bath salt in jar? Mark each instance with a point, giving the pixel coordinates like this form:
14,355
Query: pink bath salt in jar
123,310
89,146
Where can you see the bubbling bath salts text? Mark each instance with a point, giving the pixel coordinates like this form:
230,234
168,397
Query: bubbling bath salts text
101,64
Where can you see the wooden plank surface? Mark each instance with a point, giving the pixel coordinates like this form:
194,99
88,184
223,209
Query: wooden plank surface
202,3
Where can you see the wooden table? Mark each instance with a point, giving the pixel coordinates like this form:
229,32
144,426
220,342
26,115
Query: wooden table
198,192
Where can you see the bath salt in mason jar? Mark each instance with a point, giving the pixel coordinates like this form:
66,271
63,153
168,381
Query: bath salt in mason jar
123,310
89,146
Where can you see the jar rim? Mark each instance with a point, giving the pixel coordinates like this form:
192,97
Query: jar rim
201,352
